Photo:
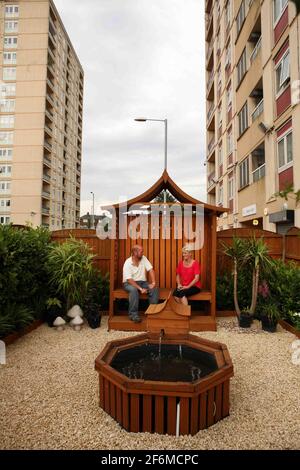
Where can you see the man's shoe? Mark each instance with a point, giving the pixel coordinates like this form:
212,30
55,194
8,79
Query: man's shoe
136,319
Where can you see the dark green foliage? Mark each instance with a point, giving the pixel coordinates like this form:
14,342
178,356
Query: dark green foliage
23,276
225,290
284,284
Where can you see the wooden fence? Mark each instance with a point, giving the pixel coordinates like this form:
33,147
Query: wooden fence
101,248
280,247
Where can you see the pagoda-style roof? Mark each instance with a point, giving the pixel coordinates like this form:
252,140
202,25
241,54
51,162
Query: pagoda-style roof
165,182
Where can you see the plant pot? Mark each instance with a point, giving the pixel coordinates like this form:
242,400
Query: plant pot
94,320
245,320
269,324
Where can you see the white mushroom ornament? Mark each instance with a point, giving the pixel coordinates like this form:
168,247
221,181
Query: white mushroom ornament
76,323
75,311
59,323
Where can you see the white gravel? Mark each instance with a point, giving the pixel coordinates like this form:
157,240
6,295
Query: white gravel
49,394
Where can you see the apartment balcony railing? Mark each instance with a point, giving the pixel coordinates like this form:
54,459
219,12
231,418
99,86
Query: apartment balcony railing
47,161
211,179
4,209
209,51
208,22
50,83
45,210
210,112
46,194
259,173
48,129
48,145
255,51
210,80
211,145
258,110
49,114
50,99
46,177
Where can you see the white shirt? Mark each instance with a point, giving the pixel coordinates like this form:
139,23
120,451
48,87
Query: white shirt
137,273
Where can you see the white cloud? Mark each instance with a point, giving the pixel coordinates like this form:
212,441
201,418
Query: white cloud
141,58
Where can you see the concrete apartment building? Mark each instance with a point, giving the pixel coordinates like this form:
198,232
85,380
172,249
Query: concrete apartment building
253,111
41,83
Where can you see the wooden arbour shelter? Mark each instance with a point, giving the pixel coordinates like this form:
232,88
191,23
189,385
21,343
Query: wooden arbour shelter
164,254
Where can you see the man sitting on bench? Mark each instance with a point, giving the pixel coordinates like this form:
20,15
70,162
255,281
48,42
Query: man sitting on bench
135,281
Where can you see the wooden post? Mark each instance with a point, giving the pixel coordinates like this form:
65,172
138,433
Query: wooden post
213,226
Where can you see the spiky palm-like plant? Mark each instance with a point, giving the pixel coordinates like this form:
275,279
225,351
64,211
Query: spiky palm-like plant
258,256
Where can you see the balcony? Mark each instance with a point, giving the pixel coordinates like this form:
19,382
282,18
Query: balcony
47,161
211,180
259,173
48,145
48,130
255,51
258,110
211,146
50,67
49,114
46,177
50,83
46,194
50,100
45,211
209,27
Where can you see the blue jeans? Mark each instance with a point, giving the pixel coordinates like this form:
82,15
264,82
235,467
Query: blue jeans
134,296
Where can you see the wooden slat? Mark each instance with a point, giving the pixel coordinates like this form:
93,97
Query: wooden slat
159,414
225,405
203,411
134,412
147,413
172,413
113,400
210,407
119,411
101,391
125,403
194,418
106,396
218,400
184,416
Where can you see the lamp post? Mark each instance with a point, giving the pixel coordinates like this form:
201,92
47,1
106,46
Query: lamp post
93,210
166,143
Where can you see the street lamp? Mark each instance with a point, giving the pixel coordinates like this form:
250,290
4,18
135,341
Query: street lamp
93,210
166,143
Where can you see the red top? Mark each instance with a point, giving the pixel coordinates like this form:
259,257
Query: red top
187,274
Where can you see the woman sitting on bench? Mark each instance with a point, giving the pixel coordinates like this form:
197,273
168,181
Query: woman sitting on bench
188,276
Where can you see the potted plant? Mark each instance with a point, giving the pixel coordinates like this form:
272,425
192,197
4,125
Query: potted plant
270,315
92,304
245,318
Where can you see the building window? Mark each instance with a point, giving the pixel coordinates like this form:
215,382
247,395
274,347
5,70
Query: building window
278,7
285,150
7,89
5,170
5,154
7,106
227,14
244,173
230,188
229,98
241,67
228,56
4,220
283,73
5,187
220,195
11,26
6,138
10,42
229,142
9,58
7,122
240,17
4,203
9,73
220,156
12,11
243,119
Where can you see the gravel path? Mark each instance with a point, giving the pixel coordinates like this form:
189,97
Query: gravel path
49,394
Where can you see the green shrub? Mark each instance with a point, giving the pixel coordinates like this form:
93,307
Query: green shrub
70,268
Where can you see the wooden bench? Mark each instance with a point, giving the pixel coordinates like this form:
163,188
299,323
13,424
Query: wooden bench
120,293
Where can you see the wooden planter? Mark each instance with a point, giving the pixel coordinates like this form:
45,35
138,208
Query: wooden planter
152,406
12,337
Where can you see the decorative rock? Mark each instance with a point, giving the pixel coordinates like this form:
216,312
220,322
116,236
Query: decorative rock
75,311
59,323
76,323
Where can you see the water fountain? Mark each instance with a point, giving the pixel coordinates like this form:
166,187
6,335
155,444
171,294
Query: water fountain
165,383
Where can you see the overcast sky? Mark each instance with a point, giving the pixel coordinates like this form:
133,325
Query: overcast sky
140,58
